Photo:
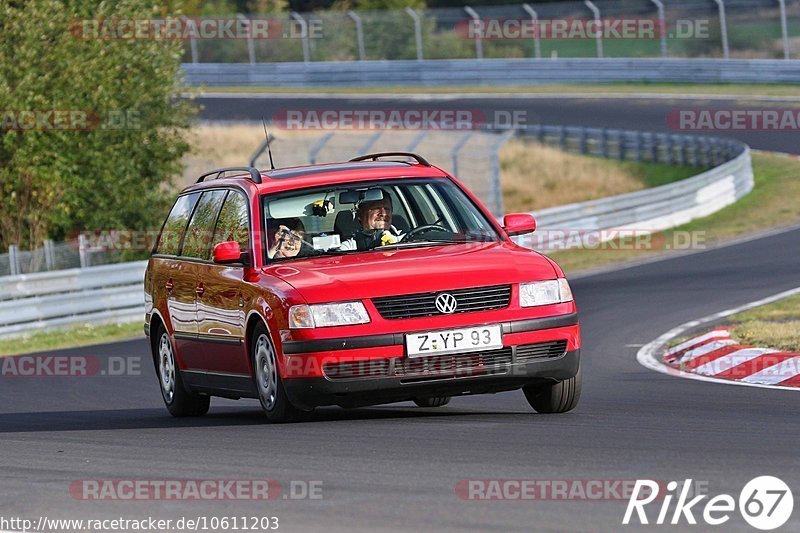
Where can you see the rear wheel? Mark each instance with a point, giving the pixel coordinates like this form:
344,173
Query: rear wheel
271,393
435,401
555,397
180,402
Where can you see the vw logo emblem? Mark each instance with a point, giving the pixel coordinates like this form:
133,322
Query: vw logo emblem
446,303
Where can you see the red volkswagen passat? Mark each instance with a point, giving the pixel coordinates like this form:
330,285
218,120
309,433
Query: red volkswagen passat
351,284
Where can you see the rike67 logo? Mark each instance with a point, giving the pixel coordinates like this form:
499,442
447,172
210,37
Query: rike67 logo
765,503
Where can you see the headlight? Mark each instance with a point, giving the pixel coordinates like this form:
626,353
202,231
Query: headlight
324,315
553,291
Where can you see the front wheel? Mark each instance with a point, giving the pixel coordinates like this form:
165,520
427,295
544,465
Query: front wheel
271,393
180,401
555,397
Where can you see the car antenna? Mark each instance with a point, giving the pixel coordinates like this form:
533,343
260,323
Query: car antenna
269,150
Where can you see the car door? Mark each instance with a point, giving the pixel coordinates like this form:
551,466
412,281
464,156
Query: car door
221,319
195,262
173,279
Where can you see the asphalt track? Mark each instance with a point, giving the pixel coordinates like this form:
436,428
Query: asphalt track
645,113
396,467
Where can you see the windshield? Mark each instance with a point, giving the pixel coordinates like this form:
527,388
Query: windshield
362,217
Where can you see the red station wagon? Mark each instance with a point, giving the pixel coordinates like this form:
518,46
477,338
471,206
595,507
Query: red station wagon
358,283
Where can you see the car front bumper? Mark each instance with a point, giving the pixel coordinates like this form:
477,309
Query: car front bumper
307,393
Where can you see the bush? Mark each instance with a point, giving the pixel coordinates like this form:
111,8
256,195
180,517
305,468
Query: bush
112,173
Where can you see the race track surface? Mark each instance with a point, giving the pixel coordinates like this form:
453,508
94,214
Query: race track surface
396,467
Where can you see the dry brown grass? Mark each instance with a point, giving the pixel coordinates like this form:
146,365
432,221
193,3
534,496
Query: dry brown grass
537,176
215,146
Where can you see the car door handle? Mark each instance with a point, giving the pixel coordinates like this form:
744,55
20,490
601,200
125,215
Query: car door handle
200,290
169,286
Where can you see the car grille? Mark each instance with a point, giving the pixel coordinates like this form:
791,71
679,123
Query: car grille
445,366
423,304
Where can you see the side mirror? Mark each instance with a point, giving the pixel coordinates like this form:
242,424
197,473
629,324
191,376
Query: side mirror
227,252
519,224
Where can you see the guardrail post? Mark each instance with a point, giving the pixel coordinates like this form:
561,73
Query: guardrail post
537,45
49,255
621,145
599,38
604,142
669,149
562,138
662,26
639,143
682,159
478,27
362,54
192,40
540,134
653,148
251,49
13,259
723,28
457,148
417,31
303,35
82,245
582,140
784,29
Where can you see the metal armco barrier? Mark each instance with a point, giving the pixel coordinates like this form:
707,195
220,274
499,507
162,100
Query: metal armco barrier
522,71
114,293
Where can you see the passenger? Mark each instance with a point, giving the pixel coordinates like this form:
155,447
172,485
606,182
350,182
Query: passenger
288,238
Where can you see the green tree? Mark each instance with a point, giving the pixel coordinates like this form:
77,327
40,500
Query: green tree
112,173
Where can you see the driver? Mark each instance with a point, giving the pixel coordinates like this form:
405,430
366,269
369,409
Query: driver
375,218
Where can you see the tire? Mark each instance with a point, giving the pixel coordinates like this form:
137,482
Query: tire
268,381
435,401
179,400
555,397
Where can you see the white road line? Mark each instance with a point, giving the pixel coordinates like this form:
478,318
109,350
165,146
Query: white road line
726,362
776,373
648,355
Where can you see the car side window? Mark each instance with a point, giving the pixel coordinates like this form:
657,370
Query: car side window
233,223
197,243
169,241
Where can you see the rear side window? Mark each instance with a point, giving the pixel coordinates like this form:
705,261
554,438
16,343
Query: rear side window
197,243
169,241
233,223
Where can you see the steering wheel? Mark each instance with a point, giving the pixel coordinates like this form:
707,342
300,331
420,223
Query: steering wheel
422,229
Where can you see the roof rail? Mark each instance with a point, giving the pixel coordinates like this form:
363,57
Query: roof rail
374,157
255,174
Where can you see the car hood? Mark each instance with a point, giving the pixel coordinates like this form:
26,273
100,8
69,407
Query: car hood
427,269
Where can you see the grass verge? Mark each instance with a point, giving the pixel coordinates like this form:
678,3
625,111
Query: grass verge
776,325
535,176
600,88
772,203
70,338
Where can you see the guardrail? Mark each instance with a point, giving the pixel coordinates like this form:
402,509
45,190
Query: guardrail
652,209
113,293
521,71
93,295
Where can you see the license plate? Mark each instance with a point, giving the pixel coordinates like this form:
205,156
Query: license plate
454,341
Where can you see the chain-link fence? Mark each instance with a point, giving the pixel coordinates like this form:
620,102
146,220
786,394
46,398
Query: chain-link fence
768,29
